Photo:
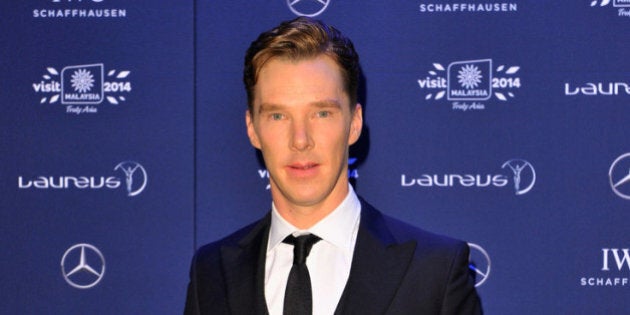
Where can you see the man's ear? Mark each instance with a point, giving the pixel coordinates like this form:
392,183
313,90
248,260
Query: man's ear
251,131
356,125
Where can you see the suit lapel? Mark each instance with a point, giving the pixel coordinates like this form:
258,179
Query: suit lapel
378,266
244,270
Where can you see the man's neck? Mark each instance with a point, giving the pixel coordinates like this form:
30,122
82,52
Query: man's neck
305,216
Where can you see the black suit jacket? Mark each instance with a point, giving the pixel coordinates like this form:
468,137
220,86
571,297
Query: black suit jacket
396,269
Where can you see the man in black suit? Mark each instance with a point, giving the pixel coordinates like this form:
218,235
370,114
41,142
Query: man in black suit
321,249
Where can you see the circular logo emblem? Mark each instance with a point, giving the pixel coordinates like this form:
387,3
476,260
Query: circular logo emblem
135,177
308,8
619,176
83,266
524,175
479,264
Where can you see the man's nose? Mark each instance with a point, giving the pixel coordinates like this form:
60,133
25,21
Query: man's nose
301,135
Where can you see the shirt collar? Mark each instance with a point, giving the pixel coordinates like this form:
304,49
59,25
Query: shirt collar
336,228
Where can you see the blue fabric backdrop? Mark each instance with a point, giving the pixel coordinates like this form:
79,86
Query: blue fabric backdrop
123,144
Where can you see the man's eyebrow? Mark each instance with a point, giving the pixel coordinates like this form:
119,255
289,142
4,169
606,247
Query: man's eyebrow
326,103
271,107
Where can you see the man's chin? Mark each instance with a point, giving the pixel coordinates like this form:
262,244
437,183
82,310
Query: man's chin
303,199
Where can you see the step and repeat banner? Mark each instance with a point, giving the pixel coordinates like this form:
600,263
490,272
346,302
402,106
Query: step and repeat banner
502,123
96,162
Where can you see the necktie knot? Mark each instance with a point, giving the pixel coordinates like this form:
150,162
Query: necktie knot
301,246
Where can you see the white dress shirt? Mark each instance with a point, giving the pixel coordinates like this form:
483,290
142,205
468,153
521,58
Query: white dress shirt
328,263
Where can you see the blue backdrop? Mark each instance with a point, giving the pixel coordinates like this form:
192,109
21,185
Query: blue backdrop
123,143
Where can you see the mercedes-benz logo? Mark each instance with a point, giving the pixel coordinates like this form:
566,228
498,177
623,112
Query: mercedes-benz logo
129,168
479,264
308,8
518,168
619,176
83,266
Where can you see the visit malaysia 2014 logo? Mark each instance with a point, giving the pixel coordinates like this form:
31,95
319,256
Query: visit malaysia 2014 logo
80,88
471,84
622,6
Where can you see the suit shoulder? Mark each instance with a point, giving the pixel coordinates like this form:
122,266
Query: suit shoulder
439,253
212,250
402,232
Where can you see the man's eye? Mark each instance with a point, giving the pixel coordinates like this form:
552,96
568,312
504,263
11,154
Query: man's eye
323,114
276,116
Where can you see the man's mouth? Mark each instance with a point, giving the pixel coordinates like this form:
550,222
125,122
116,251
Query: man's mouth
302,169
302,166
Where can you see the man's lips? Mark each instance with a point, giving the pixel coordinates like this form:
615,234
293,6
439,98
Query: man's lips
302,166
302,169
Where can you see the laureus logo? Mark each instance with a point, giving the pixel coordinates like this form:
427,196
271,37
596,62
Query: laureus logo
133,170
524,175
134,181
470,83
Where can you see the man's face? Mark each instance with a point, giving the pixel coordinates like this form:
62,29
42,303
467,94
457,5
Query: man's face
302,123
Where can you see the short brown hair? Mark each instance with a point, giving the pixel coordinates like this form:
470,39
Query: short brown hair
299,39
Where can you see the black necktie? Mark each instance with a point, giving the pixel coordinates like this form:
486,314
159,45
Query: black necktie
298,299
